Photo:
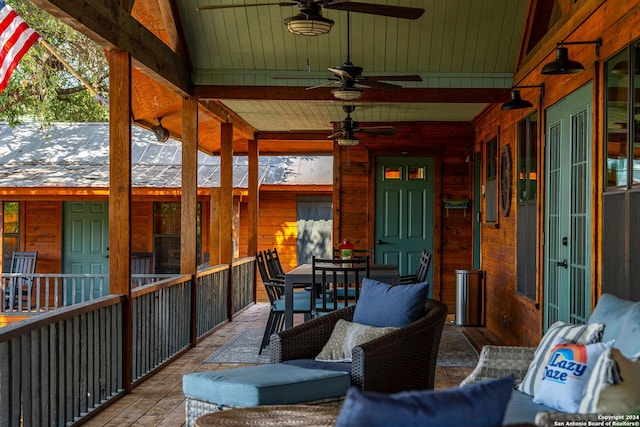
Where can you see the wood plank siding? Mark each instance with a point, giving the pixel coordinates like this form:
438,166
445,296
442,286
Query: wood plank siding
513,318
448,144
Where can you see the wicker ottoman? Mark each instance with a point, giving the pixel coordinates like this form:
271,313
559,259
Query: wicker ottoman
270,384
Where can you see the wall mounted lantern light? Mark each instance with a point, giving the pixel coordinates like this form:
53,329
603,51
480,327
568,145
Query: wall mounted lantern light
517,102
161,133
562,63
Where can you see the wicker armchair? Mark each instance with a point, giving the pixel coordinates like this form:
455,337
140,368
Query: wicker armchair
498,361
404,359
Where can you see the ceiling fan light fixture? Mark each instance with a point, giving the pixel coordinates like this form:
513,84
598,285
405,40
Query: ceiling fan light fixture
308,23
348,142
347,93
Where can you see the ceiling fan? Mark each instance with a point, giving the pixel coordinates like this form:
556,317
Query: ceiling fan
347,76
310,22
345,131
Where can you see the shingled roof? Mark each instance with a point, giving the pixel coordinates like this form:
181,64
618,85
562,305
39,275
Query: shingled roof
77,155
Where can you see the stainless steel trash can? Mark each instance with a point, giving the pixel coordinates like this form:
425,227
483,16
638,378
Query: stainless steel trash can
469,298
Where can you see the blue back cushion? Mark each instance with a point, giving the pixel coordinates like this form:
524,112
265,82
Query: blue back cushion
476,405
627,339
611,311
381,304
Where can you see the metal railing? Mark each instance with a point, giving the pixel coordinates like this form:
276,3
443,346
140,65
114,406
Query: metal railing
161,316
212,295
58,367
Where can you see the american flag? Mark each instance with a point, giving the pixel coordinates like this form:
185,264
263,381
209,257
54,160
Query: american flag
15,39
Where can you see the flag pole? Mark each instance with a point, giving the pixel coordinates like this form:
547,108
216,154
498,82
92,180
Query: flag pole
71,70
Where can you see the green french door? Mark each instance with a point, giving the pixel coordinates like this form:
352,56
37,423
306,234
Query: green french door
568,166
404,211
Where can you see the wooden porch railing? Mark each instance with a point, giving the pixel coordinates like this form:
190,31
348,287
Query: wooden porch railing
62,366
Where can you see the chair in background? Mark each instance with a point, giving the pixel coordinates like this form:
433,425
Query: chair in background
336,283
141,264
263,269
275,293
275,322
421,272
274,266
20,285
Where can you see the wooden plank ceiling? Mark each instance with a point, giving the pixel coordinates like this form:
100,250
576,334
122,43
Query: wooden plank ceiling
246,68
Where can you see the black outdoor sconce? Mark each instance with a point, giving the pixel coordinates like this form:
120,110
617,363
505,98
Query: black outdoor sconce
517,102
562,63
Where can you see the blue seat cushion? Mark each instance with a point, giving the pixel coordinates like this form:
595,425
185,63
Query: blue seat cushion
270,384
300,304
522,409
317,364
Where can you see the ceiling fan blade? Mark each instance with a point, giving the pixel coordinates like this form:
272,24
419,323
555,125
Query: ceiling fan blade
341,73
378,9
398,78
322,85
298,77
379,85
230,6
336,134
378,130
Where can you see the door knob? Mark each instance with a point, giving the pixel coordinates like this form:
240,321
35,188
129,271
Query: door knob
562,264
379,242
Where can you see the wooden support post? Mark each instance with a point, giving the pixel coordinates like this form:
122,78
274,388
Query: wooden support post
214,226
120,198
226,205
1,234
337,211
253,204
189,203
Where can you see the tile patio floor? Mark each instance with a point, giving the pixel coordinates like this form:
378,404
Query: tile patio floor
159,401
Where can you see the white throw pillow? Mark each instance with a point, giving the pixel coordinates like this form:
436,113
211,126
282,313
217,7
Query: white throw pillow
566,374
613,386
347,335
580,334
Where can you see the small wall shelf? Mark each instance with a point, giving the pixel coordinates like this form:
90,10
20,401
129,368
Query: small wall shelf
456,204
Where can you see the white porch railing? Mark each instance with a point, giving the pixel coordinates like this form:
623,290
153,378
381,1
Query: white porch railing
27,294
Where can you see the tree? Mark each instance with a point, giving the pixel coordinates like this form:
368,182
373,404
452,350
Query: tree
41,88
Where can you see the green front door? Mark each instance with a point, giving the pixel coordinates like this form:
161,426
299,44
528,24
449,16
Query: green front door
404,211
568,207
86,245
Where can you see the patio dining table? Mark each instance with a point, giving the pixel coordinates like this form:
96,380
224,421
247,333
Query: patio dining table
302,275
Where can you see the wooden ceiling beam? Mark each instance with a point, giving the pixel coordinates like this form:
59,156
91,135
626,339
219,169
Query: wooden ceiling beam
299,93
225,115
112,27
